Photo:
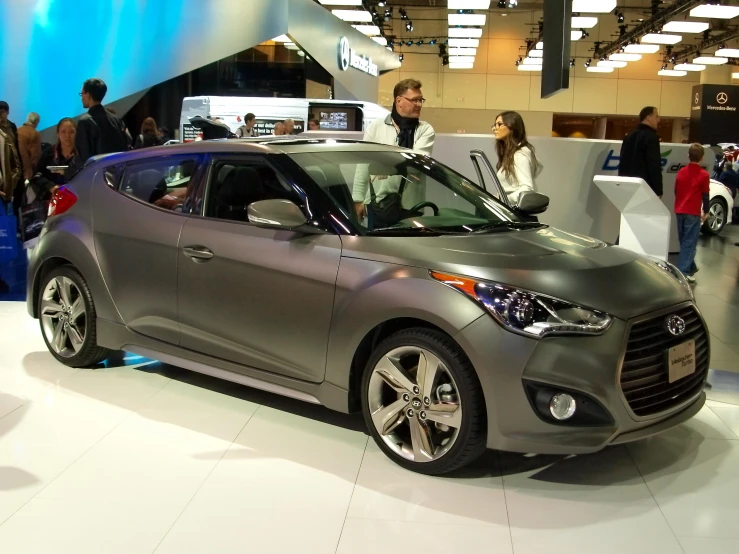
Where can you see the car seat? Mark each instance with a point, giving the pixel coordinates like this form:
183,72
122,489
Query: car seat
241,188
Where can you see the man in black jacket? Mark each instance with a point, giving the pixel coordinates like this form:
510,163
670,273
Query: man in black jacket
98,131
640,155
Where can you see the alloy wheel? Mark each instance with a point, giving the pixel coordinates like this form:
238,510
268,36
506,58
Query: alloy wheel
63,316
414,404
716,216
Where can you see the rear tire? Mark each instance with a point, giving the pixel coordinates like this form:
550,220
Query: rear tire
717,217
422,402
68,319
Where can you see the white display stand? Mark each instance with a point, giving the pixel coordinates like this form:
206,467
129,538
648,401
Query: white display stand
645,221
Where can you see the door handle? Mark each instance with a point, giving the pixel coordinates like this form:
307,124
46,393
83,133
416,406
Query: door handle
198,254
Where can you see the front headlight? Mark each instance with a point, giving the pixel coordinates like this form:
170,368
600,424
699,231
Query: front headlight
529,313
667,267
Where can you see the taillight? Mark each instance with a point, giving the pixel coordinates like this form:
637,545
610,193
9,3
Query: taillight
61,201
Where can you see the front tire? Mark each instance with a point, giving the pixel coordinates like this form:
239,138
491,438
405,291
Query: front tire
68,319
422,402
717,217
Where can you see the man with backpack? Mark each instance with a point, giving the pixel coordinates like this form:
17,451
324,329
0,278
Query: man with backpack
98,131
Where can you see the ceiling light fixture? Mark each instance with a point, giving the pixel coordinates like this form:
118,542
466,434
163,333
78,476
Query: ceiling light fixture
576,35
468,4
532,61
711,60
715,11
476,19
659,38
460,65
523,67
380,40
360,16
594,6
536,54
463,59
621,57
341,2
540,46
727,52
464,32
592,69
409,26
584,22
282,38
369,30
641,48
464,42
685,27
672,73
611,63
689,67
463,51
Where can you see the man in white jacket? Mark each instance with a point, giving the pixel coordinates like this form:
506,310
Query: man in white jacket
401,128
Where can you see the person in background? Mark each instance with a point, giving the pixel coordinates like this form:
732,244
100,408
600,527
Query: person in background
10,175
290,127
7,126
29,144
248,129
403,127
164,134
149,135
63,153
517,166
314,125
730,178
129,138
691,208
640,152
98,131
279,129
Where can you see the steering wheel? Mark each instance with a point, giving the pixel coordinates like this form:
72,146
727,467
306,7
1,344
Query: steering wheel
421,205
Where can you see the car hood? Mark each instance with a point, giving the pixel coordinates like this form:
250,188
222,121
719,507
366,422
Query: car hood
571,267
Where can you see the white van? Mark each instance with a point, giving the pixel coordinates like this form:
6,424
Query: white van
333,115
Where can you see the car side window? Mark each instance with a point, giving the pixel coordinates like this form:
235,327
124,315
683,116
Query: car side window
235,184
161,182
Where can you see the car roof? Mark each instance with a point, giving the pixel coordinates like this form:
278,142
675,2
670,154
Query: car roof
259,145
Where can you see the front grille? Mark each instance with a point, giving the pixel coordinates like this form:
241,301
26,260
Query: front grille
645,374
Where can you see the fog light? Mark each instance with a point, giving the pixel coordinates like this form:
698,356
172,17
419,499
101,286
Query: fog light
562,406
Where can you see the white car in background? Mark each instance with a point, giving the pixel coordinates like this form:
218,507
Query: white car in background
720,209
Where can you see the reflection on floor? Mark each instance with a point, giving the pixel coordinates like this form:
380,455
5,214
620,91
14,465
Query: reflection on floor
141,457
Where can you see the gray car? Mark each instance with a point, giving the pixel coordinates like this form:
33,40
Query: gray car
453,322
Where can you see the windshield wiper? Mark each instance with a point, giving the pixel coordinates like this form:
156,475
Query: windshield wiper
403,231
507,225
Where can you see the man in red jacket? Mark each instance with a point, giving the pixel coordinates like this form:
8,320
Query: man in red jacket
691,208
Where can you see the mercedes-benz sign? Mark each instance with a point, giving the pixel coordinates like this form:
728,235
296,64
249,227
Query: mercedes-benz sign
348,57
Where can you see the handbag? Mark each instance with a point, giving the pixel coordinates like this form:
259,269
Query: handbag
9,246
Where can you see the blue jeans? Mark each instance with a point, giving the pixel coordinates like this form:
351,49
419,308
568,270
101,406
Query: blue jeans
688,230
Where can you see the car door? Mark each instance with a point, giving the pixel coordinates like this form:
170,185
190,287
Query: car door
255,296
137,221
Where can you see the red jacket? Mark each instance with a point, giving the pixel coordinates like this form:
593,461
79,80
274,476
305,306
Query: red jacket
692,183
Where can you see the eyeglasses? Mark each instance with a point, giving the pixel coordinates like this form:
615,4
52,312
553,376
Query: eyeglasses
416,101
497,125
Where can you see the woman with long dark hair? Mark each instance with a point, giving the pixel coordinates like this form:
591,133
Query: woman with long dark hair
149,135
62,157
517,164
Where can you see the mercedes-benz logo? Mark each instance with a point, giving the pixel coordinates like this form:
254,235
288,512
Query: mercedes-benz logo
722,98
697,98
344,53
676,325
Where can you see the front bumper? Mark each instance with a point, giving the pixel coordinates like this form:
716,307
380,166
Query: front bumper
588,365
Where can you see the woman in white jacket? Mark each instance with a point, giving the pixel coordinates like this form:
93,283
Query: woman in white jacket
517,164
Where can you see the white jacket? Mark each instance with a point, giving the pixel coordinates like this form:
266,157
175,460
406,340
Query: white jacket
382,131
526,172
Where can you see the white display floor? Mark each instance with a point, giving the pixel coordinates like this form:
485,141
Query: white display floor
149,458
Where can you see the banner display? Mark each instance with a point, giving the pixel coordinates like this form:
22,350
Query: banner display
714,114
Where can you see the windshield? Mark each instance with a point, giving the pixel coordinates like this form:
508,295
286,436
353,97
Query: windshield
405,193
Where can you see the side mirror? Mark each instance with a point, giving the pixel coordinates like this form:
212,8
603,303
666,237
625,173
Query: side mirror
532,203
281,214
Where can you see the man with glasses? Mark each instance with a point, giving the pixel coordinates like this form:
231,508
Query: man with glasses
401,128
98,131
